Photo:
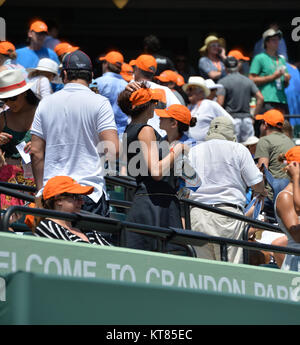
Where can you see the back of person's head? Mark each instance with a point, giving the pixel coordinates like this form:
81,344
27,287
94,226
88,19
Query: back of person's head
151,44
145,66
114,61
231,64
77,65
8,50
221,127
287,129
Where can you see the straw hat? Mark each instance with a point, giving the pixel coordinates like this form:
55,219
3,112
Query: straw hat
208,41
12,83
197,81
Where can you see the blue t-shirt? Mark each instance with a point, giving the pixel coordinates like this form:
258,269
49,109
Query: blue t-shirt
109,86
292,93
29,58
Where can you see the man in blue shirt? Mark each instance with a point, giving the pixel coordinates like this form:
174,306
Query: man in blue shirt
29,56
111,84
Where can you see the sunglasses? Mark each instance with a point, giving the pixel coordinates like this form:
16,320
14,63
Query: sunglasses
217,45
11,99
192,88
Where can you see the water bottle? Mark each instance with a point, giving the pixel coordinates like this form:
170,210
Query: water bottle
278,80
187,173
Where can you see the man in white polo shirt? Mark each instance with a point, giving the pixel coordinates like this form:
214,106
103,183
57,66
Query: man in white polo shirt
226,169
67,128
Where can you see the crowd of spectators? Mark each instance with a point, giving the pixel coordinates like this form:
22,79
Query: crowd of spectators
152,119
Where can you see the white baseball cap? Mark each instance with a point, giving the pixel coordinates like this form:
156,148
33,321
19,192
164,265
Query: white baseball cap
212,85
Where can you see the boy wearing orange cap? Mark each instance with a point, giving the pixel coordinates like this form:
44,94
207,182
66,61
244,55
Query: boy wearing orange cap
29,56
111,83
270,145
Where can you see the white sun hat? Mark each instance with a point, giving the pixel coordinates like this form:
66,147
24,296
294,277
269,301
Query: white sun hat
251,141
46,65
197,81
12,83
212,85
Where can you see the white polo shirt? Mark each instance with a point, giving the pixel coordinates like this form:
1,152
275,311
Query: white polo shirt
226,169
70,121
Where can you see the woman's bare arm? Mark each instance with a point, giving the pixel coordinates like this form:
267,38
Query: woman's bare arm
287,213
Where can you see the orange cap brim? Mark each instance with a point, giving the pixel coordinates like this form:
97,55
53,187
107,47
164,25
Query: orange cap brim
162,113
259,116
162,79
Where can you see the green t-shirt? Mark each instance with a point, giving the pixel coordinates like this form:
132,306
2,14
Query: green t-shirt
264,65
271,146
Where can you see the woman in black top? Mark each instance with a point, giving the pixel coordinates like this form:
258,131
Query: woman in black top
150,161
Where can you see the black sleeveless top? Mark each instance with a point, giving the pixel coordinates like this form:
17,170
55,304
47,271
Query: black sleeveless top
137,167
17,137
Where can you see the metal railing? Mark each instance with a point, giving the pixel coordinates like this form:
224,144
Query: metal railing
86,221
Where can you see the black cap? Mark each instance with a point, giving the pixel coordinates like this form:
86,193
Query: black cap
231,62
77,60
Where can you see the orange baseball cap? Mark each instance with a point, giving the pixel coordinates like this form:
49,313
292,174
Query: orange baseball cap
273,117
127,72
64,184
238,55
293,155
142,96
38,26
146,63
176,111
64,47
132,62
29,219
180,80
167,76
6,47
113,58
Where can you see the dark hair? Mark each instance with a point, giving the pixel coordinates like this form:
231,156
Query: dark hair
151,44
274,128
31,97
145,74
183,127
114,68
73,74
11,54
126,105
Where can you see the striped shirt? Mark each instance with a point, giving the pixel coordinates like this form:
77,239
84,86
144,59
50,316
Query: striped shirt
50,229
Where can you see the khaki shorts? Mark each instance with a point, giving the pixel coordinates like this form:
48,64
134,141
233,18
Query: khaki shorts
214,224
